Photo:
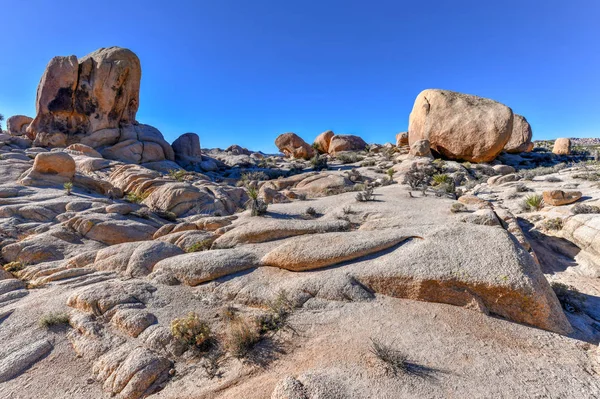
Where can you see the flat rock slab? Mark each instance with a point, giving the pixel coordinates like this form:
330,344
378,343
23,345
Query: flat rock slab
559,197
268,230
21,359
199,267
135,259
321,250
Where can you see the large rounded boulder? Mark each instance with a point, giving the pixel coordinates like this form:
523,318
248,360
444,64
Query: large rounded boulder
17,124
94,101
562,146
460,126
346,142
292,145
321,143
520,138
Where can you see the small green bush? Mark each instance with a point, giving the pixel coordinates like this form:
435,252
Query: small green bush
192,331
257,206
177,174
199,246
136,198
54,319
319,162
349,157
441,178
68,186
533,202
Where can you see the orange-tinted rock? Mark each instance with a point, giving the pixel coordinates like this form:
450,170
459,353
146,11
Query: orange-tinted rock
460,126
559,197
293,146
322,141
562,146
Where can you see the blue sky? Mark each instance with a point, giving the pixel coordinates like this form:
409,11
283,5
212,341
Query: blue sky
245,71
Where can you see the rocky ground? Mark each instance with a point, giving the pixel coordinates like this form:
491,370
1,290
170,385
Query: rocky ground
448,276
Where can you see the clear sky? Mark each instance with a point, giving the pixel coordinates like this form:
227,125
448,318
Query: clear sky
244,71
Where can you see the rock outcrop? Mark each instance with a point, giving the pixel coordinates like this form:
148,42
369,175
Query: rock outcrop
187,151
520,138
322,141
346,142
94,101
402,139
292,145
460,126
562,146
17,124
49,169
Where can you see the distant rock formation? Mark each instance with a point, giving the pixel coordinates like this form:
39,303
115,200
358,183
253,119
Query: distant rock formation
17,125
94,101
460,126
346,142
293,146
562,146
322,141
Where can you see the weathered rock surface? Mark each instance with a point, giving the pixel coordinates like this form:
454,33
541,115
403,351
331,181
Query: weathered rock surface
50,168
346,142
276,229
520,138
292,145
562,146
402,139
135,259
320,250
199,267
21,359
17,124
460,126
421,148
110,229
187,151
322,141
94,101
559,197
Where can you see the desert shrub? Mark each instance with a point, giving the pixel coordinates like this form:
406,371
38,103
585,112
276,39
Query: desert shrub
585,208
177,174
553,179
366,195
390,172
368,162
203,245
54,319
167,215
254,176
68,186
311,212
229,313
467,165
211,363
276,318
417,178
242,335
319,162
591,176
136,198
13,267
458,207
347,210
349,157
143,213
533,202
521,188
542,170
394,360
257,206
553,224
192,331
